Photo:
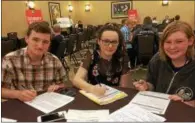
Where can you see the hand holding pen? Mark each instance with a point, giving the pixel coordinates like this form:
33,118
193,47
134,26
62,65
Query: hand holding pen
98,89
26,94
141,85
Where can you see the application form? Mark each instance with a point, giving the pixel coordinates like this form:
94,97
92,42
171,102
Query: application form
152,101
86,115
132,113
49,101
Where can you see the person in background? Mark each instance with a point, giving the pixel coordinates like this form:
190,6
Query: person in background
166,20
145,29
154,21
172,70
108,63
79,26
177,17
32,69
126,31
57,38
71,24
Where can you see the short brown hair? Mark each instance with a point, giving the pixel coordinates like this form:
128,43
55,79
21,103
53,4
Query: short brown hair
147,20
41,27
172,28
123,21
56,28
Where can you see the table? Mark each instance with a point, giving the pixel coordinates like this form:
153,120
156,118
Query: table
15,109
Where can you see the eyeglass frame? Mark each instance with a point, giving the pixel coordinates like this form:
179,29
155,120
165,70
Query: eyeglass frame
107,42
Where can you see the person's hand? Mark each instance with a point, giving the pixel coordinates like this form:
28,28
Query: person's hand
141,85
98,90
52,88
190,103
176,98
27,95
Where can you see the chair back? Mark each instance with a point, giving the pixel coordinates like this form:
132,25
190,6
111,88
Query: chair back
161,27
85,31
89,32
145,44
7,47
145,48
23,43
60,53
3,38
79,41
12,35
71,44
94,30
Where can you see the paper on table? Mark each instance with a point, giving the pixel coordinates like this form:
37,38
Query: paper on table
86,115
152,101
110,96
7,120
50,101
130,113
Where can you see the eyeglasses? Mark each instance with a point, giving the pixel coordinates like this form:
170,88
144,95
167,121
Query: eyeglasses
107,42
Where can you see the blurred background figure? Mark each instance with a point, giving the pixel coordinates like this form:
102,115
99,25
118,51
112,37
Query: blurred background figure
177,17
79,26
56,39
166,20
71,24
154,21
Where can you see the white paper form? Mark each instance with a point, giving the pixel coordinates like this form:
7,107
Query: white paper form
130,113
152,101
50,101
86,115
7,120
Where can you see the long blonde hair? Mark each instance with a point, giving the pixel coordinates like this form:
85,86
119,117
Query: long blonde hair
172,28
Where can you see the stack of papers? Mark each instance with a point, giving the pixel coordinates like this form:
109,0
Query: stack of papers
130,113
151,101
86,115
110,96
50,101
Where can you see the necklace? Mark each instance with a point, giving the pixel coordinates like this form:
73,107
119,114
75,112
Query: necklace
108,70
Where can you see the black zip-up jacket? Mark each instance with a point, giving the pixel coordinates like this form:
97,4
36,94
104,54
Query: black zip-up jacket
164,79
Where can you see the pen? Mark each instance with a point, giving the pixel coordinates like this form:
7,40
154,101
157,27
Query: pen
98,82
23,87
27,89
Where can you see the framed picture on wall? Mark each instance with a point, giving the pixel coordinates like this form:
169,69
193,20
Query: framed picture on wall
54,11
120,9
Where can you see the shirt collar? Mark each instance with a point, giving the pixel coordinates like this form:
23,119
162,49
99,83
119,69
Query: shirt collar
45,59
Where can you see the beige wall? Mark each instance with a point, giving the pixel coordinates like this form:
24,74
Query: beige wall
13,12
101,11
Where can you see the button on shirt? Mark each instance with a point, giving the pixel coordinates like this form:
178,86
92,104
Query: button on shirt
126,34
17,71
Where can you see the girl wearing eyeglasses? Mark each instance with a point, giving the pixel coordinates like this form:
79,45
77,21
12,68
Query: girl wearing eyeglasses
108,64
172,71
